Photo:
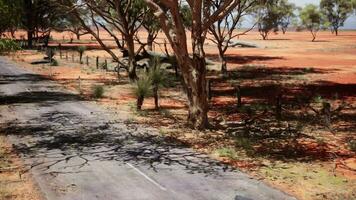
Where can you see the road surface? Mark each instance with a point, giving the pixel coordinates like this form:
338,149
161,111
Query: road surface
76,150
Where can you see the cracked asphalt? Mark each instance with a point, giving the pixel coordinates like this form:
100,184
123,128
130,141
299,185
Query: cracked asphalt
76,150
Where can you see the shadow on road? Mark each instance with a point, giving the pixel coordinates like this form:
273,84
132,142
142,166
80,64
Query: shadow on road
76,138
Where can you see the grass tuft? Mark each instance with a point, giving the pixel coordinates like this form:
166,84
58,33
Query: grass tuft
98,91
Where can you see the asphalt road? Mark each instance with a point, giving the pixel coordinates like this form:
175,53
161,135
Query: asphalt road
76,150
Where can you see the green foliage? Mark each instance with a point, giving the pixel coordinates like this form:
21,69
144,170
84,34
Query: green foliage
9,15
186,16
244,143
143,87
312,19
336,12
287,14
268,16
81,49
272,15
156,74
54,62
98,91
352,145
227,152
7,46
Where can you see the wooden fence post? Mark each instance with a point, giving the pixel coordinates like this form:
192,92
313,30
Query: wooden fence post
60,50
97,62
79,85
106,65
238,96
279,106
208,89
87,60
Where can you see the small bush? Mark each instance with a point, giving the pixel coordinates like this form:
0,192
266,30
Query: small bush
54,62
7,46
352,145
98,91
227,152
82,49
142,89
50,52
244,143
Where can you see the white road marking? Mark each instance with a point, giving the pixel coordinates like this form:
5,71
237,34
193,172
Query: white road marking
147,177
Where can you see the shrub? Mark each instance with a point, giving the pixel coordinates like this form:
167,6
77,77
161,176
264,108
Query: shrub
158,78
352,145
7,46
98,91
54,62
50,52
227,153
142,89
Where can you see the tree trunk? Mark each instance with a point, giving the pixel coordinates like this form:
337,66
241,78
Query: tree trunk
150,39
264,35
78,36
313,37
223,62
155,95
194,72
80,58
140,100
132,62
336,32
29,22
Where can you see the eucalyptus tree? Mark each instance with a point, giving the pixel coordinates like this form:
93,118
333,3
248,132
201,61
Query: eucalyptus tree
193,67
152,27
312,19
113,16
73,25
268,16
40,17
10,16
224,30
336,11
287,9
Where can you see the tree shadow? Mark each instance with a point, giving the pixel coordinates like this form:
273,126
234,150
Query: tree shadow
236,59
259,72
23,78
263,135
59,138
38,97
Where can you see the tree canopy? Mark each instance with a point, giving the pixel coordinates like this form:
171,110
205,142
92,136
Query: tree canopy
312,19
336,11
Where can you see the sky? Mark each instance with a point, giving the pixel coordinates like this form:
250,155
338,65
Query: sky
349,24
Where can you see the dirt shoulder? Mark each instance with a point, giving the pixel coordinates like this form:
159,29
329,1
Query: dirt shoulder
14,184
